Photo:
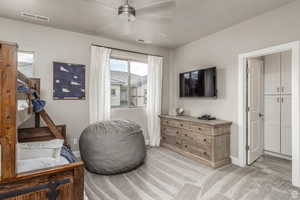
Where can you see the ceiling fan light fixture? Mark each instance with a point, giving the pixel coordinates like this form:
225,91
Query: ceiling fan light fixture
127,12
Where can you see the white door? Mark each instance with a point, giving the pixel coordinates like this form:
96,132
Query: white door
286,125
272,123
272,74
286,75
255,112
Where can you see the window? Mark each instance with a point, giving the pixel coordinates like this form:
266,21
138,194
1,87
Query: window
129,80
25,63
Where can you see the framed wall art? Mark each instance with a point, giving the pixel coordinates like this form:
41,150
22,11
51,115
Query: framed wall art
68,81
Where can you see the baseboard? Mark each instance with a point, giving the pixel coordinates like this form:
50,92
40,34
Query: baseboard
286,157
235,160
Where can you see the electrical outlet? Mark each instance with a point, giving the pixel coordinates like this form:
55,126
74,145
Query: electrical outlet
75,140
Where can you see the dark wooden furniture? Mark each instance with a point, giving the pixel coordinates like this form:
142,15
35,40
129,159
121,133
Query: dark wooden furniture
64,182
204,141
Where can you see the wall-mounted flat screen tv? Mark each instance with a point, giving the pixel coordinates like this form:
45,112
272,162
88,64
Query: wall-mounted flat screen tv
199,83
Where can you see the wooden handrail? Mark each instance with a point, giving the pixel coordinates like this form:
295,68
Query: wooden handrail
52,127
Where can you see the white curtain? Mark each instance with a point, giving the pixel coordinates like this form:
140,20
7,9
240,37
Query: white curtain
154,88
99,84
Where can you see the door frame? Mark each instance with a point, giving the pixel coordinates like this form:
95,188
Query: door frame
242,103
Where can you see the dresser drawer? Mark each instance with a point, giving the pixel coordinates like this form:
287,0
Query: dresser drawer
171,131
196,150
169,122
171,136
173,141
202,142
202,139
183,125
201,129
222,130
176,123
187,135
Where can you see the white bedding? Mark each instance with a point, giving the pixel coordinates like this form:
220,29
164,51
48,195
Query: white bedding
39,163
40,149
39,155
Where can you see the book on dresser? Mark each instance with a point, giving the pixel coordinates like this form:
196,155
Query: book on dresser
206,141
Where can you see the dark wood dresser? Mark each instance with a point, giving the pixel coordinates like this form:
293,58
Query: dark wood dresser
201,140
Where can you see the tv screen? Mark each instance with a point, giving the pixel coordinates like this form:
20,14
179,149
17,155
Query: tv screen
199,83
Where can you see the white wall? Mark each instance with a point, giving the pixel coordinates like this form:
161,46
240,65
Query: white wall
221,49
50,45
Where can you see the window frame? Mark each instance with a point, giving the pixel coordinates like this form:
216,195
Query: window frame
129,82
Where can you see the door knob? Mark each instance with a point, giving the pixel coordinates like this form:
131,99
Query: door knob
261,115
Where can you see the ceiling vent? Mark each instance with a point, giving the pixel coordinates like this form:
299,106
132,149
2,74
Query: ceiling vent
142,41
35,17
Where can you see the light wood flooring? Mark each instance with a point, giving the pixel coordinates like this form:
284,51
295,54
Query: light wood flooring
167,175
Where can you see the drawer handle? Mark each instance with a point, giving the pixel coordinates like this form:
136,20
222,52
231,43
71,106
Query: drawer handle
204,140
186,135
185,146
177,142
177,132
181,125
167,122
199,129
204,153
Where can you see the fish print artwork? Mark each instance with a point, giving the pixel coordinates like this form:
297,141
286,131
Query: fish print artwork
68,81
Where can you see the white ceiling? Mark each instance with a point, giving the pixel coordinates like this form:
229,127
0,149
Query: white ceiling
188,21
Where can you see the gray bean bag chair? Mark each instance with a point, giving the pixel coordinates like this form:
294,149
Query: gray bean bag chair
112,147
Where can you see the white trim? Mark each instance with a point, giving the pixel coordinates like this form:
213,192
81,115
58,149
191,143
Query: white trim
234,160
295,48
278,155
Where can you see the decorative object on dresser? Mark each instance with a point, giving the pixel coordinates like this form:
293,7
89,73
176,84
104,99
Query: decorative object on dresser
179,111
201,140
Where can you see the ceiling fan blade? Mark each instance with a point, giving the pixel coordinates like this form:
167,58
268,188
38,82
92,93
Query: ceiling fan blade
123,27
115,23
104,5
156,19
156,7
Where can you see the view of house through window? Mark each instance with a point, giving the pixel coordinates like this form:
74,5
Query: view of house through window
128,83
25,63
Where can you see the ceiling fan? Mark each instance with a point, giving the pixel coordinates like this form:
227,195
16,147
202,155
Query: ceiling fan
128,13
